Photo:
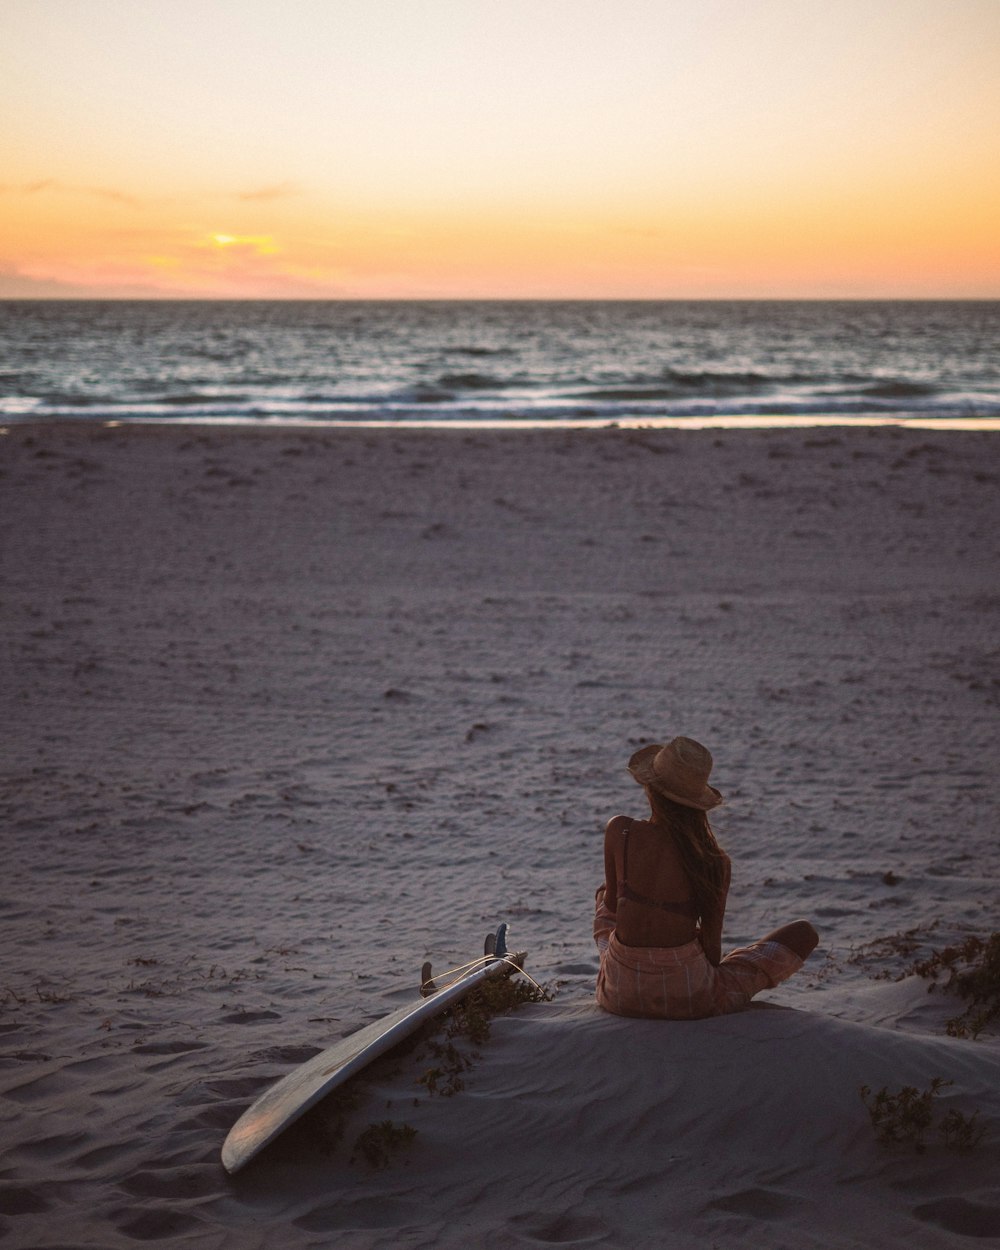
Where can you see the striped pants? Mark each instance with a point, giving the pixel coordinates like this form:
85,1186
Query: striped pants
678,982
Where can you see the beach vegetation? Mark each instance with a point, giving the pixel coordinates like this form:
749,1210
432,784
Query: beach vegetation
904,1116
470,1020
379,1143
496,996
907,1115
445,1077
325,1127
961,1131
442,1045
971,970
968,968
894,946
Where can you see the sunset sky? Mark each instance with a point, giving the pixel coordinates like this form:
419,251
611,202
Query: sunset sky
536,148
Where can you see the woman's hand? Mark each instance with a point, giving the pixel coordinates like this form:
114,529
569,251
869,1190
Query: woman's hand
711,944
710,928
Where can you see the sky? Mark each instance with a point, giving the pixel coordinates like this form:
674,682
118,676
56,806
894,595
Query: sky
485,149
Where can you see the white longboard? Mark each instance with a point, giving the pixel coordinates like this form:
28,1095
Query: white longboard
304,1086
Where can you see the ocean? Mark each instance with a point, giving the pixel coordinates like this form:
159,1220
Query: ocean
597,362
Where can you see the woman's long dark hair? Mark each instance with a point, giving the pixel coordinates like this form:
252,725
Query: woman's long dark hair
700,854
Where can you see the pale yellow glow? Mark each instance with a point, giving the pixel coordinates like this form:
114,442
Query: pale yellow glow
649,148
256,244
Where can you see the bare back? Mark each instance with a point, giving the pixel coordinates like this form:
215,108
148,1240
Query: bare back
648,885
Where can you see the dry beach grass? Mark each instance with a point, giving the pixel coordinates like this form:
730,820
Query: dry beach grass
288,711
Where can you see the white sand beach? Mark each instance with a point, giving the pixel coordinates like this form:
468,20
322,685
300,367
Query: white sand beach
288,711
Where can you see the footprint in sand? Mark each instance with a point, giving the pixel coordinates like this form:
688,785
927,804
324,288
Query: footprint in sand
168,1048
537,1228
759,1204
250,1017
157,1225
172,1183
962,1216
21,1200
361,1214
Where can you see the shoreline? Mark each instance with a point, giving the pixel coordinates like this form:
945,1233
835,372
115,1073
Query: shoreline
716,422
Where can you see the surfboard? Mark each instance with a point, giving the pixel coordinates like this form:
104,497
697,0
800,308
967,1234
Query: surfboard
283,1103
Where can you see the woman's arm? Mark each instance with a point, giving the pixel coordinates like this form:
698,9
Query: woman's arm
612,841
711,923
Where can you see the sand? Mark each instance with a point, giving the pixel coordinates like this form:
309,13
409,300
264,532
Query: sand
289,711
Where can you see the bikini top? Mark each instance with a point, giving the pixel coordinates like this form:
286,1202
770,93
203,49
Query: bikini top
625,891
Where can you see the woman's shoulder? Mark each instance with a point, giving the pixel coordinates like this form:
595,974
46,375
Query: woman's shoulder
618,825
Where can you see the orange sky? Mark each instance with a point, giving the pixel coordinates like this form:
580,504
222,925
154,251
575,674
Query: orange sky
387,148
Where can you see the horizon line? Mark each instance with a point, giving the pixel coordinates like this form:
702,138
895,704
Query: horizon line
500,299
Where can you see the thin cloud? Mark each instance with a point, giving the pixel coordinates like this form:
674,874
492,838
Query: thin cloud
15,284
52,185
28,188
116,197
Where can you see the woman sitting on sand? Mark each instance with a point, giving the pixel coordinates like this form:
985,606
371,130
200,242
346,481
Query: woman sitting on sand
658,920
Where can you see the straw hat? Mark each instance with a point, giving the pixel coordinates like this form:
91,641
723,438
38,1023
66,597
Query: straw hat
678,771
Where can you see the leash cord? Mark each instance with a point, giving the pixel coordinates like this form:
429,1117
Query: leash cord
464,970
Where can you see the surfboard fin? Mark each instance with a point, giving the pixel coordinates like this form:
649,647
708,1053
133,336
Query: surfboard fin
427,986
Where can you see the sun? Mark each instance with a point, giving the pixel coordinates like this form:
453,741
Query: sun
256,244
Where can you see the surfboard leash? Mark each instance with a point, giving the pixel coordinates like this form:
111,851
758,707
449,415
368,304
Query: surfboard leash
460,972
